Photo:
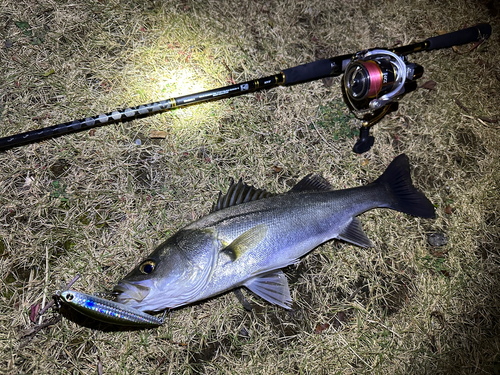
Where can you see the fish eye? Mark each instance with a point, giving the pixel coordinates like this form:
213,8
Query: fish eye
147,267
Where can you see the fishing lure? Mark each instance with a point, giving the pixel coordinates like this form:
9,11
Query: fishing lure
108,311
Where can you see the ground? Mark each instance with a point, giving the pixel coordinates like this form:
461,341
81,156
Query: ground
95,203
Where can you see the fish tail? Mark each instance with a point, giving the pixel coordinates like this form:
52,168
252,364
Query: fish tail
405,197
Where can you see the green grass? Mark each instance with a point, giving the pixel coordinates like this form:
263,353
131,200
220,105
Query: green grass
336,115
96,203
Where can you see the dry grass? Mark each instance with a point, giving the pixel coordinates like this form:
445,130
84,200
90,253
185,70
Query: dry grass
95,204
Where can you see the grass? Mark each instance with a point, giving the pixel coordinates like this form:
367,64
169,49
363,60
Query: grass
95,203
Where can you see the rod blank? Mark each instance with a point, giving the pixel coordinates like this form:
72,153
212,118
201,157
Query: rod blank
302,73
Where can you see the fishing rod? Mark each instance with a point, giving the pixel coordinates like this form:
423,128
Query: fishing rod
373,80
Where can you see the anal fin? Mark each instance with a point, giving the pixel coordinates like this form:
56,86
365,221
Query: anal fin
273,287
353,233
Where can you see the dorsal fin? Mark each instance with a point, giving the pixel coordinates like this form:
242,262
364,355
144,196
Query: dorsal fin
237,194
312,182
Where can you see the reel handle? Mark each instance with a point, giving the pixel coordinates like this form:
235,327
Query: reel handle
471,34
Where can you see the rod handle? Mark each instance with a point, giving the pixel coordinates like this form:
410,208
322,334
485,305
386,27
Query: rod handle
471,34
308,72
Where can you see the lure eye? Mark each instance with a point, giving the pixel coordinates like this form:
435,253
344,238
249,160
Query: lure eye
69,297
147,267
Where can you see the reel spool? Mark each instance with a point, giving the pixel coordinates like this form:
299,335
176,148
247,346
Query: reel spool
373,80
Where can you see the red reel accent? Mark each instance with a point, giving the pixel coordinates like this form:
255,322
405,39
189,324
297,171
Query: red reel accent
376,78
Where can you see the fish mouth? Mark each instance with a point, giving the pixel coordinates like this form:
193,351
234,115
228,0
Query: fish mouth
130,293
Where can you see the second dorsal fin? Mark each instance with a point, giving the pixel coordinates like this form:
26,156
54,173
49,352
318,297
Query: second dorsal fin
237,194
312,182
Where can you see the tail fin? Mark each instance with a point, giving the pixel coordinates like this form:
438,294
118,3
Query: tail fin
407,198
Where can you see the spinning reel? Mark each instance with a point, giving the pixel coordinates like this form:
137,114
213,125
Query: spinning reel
373,81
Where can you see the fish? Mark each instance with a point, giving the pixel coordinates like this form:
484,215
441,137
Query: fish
108,311
251,234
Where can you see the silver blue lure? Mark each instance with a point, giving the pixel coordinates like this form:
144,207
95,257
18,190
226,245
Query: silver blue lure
108,311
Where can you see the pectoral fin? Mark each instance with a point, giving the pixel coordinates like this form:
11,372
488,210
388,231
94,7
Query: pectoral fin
246,241
273,287
353,233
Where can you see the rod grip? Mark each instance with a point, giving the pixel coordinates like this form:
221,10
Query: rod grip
308,72
471,34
